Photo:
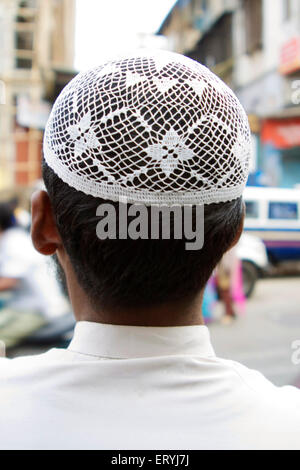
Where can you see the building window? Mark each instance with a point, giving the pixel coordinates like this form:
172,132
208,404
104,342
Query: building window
27,4
253,10
216,45
283,211
251,209
24,35
287,9
22,63
24,40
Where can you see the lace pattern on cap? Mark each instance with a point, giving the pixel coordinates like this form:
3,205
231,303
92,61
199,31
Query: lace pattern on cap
151,128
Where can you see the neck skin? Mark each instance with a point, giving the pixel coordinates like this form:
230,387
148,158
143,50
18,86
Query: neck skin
179,313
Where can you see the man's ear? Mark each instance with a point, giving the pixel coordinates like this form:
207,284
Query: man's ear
44,234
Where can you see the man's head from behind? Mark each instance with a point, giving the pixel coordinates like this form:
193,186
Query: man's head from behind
151,129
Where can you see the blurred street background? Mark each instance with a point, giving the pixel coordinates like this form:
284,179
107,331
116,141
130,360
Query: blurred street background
254,46
261,339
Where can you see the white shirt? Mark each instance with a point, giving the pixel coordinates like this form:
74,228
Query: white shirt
125,387
38,289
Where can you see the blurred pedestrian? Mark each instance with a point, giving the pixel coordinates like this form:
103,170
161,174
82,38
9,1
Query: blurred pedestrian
209,300
30,295
224,277
22,215
237,288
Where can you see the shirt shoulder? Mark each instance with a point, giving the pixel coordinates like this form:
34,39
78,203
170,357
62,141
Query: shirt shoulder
21,366
260,386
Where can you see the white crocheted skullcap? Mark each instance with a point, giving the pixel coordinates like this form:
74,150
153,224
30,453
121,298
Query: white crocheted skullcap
154,127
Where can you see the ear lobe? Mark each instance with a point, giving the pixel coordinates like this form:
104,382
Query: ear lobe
44,234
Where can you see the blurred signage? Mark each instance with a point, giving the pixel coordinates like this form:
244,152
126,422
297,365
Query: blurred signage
33,114
282,133
290,56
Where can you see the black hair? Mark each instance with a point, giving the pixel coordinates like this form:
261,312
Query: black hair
7,218
137,273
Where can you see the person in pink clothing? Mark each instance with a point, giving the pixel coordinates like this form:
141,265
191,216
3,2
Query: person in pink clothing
229,284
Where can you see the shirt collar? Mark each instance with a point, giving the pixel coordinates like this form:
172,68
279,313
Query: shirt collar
121,342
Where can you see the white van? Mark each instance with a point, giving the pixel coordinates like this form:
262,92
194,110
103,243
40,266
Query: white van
253,255
273,215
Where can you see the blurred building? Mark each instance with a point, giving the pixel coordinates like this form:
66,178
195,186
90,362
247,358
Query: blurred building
37,50
253,45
